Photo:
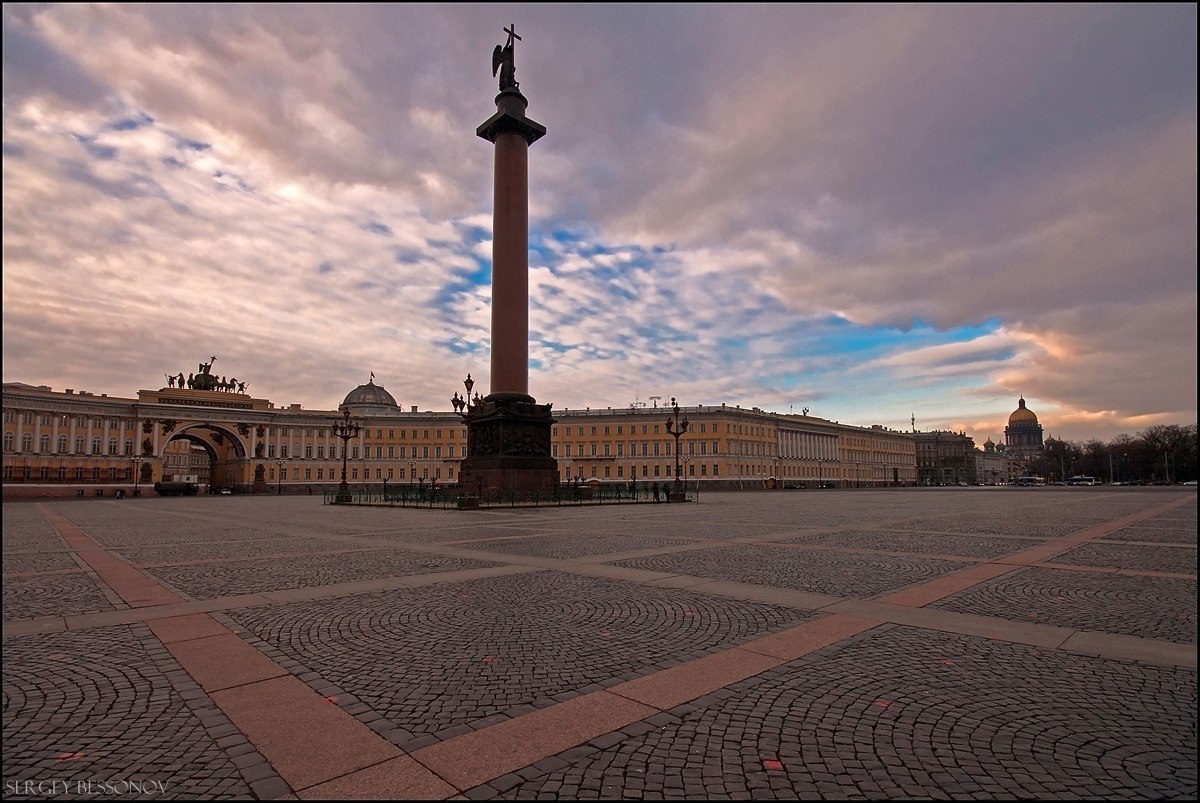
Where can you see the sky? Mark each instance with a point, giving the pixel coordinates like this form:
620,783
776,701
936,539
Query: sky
870,212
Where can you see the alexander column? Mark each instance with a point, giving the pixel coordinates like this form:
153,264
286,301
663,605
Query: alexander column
508,433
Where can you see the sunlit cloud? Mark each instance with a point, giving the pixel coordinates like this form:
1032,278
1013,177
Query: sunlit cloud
874,212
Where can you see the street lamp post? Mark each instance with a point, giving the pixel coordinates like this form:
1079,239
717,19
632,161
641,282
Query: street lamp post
676,428
279,477
345,430
137,459
466,406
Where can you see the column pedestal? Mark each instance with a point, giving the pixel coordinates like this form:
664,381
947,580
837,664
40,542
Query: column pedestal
508,449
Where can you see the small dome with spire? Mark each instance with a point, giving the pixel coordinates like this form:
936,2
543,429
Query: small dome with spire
370,400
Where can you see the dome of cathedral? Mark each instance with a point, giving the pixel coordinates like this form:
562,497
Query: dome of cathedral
370,399
1022,415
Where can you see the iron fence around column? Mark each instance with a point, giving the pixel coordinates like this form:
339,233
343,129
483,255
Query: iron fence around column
452,497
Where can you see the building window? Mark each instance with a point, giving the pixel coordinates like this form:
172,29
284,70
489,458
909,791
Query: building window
607,472
391,449
80,445
308,450
320,452
9,416
270,450
8,441
95,446
425,452
353,473
128,448
62,444
308,473
44,443
26,418
283,450
354,453
320,473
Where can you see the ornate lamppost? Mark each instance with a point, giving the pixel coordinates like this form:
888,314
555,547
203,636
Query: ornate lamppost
279,477
466,407
137,459
676,428
345,430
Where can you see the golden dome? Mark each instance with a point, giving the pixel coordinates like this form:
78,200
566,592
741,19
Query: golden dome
1022,415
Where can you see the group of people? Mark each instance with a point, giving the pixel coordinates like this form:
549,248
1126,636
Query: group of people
660,492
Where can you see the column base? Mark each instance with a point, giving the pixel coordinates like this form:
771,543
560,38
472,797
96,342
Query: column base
508,449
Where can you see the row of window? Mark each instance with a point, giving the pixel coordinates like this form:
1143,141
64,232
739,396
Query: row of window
10,416
60,473
114,447
658,471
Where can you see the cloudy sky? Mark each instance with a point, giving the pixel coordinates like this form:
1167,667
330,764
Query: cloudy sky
868,211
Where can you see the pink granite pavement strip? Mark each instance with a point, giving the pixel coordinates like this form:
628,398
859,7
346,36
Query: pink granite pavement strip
186,628
796,642
472,759
400,778
307,740
679,684
223,662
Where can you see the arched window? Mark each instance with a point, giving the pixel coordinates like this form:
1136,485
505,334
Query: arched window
112,445
95,446
44,444
27,442
62,444
129,448
8,441
80,447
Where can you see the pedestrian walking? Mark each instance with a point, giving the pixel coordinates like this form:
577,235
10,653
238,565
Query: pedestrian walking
655,489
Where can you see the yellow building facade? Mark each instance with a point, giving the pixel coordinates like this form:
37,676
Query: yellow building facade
75,441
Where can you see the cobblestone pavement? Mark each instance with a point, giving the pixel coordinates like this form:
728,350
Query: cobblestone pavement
437,661
903,714
206,581
990,643
937,544
841,573
1153,607
53,595
102,706
1181,559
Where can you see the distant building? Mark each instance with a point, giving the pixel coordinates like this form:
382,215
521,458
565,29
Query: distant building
993,466
230,439
1023,435
945,458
